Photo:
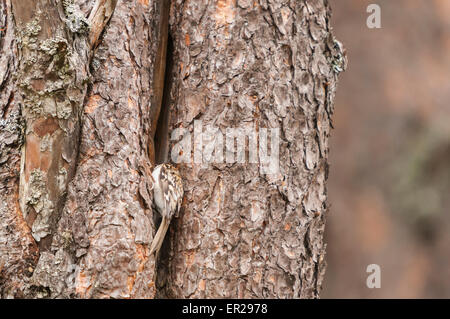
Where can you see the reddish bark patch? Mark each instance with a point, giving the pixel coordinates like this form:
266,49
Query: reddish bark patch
45,160
92,103
32,155
38,84
225,11
45,126
31,217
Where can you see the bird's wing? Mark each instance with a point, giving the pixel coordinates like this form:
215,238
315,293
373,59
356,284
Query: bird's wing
164,182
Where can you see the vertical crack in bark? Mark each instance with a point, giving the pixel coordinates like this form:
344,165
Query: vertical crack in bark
161,138
163,8
159,111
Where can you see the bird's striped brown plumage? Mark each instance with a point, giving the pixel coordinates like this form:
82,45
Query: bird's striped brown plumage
167,197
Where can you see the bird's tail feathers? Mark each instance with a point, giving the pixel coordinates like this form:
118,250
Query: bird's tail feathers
159,237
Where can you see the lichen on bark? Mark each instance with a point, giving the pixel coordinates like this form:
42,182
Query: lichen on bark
52,96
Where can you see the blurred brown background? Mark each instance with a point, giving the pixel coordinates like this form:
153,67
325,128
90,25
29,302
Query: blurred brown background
390,154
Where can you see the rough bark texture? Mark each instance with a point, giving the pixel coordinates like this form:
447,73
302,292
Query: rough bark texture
93,95
18,250
50,91
90,238
108,204
252,64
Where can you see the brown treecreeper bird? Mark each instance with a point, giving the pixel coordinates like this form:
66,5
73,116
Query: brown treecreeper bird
167,197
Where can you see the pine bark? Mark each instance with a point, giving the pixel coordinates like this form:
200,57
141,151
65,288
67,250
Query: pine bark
252,64
90,94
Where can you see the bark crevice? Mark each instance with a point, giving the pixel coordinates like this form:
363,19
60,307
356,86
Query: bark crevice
162,128
158,116
162,85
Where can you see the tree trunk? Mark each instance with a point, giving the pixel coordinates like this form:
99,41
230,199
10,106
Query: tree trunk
93,95
246,232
